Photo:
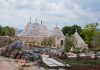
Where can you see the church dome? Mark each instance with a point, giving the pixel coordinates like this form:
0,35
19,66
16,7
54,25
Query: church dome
57,33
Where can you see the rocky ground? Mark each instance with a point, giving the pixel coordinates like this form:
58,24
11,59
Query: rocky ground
15,64
12,64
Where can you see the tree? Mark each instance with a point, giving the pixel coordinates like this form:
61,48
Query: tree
70,30
92,26
7,31
66,30
69,43
74,28
96,41
48,41
0,30
88,33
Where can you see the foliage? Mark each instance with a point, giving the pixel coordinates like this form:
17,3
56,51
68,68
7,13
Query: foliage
68,43
1,30
92,26
31,43
78,50
88,33
48,41
70,30
7,31
85,50
96,41
66,30
83,62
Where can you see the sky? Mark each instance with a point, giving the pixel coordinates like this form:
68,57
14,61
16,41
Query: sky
17,13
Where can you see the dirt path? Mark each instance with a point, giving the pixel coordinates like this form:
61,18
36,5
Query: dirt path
6,66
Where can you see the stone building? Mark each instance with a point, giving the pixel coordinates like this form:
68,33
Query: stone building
37,32
78,41
59,37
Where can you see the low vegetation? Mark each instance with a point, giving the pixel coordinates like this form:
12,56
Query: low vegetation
49,41
83,62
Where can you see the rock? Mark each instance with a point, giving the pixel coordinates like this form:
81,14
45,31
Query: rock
18,50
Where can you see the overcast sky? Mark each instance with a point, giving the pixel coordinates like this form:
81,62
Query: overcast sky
17,13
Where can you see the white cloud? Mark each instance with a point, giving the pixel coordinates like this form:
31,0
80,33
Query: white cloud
64,11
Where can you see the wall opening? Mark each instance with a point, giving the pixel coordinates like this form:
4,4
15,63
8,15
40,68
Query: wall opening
61,42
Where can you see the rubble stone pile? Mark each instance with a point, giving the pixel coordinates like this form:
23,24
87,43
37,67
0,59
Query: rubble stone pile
18,50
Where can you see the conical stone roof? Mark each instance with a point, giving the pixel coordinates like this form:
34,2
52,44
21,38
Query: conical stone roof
35,30
57,33
27,29
46,31
78,38
79,42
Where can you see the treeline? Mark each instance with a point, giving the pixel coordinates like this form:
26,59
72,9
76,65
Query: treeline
7,31
89,33
70,30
